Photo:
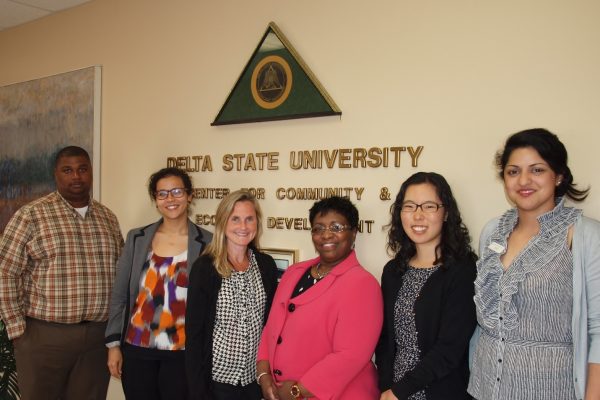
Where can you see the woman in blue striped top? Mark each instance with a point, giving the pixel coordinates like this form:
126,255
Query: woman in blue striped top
537,292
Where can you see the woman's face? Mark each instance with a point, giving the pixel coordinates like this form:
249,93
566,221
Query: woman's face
172,207
242,224
424,225
332,247
529,181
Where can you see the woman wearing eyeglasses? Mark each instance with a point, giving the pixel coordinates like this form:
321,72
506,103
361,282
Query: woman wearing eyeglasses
427,288
145,333
325,319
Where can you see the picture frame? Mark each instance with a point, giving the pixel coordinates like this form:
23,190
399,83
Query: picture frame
283,258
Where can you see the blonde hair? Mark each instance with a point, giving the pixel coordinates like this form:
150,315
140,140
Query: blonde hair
217,248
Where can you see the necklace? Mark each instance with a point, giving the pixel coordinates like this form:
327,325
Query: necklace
319,275
239,266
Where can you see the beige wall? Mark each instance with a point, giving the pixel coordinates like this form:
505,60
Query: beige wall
455,77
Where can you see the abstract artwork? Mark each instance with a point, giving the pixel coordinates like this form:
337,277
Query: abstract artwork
37,118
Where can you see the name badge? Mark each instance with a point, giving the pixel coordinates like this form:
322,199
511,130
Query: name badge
496,247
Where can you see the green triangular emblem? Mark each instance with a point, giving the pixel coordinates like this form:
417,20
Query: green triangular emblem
275,84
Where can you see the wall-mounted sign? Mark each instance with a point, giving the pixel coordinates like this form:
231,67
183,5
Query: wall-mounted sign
276,84
357,157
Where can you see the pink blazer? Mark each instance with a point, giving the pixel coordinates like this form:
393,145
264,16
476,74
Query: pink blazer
325,337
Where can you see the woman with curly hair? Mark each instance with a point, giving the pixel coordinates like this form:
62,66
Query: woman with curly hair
146,324
537,291
429,314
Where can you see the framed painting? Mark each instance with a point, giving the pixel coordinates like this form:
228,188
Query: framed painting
283,258
38,118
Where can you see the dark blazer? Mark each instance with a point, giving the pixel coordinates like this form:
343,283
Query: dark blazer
129,269
203,291
445,320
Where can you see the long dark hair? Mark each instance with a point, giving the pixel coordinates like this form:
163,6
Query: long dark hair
551,149
455,243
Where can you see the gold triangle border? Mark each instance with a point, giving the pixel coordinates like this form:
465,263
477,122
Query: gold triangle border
335,110
304,66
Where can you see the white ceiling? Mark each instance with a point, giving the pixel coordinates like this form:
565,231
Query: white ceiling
16,12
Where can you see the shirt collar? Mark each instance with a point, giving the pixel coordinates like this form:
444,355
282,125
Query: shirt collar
70,206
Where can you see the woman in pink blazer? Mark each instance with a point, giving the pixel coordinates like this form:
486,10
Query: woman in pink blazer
325,319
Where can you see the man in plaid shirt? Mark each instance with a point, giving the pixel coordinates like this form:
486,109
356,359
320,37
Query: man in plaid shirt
57,264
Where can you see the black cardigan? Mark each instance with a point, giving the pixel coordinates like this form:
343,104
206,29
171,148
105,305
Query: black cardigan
444,319
203,290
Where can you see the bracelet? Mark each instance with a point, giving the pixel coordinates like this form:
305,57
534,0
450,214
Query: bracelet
260,376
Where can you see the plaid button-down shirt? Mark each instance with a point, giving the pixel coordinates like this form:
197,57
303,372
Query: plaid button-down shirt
57,266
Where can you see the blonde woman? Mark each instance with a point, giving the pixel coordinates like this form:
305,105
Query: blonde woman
230,293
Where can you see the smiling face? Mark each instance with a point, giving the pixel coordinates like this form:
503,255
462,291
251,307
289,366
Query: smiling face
529,181
172,207
242,225
424,229
333,248
73,177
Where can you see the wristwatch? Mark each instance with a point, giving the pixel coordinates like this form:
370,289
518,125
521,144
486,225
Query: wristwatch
295,391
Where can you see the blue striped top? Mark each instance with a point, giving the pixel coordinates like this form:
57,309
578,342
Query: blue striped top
525,349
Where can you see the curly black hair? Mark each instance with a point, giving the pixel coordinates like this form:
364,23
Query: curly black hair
455,243
164,173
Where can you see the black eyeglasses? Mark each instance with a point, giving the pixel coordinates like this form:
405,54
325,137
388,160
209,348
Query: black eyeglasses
427,207
175,192
333,228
